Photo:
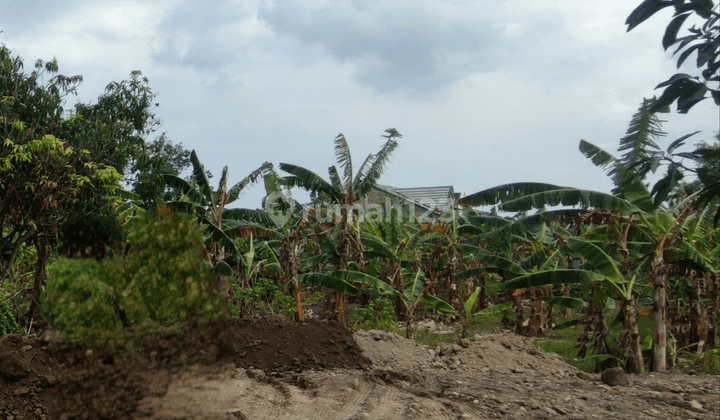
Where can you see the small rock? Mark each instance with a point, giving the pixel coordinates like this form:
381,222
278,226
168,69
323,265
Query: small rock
444,349
551,411
614,377
462,342
655,412
47,381
51,336
696,406
21,390
518,370
559,410
14,365
26,348
585,376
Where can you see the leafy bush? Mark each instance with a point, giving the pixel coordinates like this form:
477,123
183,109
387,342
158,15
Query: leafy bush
80,300
8,324
165,281
266,295
378,315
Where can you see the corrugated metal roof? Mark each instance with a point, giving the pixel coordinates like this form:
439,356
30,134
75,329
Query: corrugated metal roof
426,197
431,197
403,198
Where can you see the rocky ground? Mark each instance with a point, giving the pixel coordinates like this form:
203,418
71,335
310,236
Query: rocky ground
272,368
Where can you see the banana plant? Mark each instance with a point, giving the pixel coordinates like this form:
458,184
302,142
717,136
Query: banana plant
344,188
414,294
502,241
209,206
288,217
629,199
391,247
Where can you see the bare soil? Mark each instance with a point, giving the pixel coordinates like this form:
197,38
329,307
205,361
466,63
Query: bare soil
272,368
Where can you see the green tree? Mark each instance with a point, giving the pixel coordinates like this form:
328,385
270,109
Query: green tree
43,178
147,170
114,128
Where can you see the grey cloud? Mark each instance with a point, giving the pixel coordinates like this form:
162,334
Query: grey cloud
20,17
197,34
418,46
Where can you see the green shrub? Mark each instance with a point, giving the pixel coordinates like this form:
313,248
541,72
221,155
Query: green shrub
80,301
164,281
378,315
266,296
8,324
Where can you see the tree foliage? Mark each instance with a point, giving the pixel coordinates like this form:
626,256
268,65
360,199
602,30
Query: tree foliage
685,89
148,168
43,177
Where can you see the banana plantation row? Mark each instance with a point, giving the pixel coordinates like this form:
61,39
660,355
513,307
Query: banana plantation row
590,253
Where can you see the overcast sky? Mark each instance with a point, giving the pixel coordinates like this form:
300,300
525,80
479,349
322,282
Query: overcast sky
484,92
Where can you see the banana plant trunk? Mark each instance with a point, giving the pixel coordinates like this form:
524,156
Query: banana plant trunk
409,319
520,326
631,332
712,310
344,251
289,259
659,278
299,311
698,330
536,314
218,251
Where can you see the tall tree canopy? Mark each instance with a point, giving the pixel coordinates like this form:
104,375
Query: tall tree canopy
57,164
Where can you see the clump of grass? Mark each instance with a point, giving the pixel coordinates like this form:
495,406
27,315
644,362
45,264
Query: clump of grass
564,348
377,315
483,324
433,339
707,363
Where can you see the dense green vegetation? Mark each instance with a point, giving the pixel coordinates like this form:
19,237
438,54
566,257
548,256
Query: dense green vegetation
627,277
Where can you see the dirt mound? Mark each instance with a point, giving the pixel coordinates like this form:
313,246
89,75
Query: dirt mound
493,376
279,345
51,378
271,368
498,352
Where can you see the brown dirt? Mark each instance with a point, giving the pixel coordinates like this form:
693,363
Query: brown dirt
268,368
